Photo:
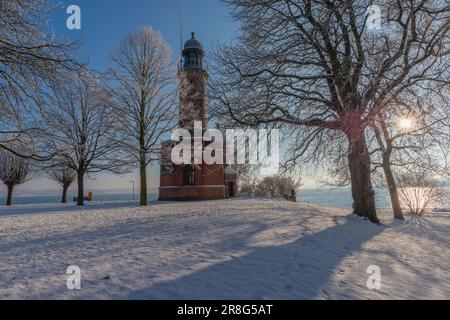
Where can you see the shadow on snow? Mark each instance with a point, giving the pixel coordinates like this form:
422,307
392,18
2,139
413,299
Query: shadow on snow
298,270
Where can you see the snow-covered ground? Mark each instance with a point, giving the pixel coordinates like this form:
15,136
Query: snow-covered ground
241,249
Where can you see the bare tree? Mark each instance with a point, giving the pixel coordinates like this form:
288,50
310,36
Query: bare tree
64,176
82,131
247,180
14,170
412,135
144,77
419,192
31,57
314,65
278,185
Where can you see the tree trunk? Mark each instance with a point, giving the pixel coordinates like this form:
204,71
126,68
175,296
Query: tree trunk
9,199
362,190
143,176
64,194
143,159
80,180
393,192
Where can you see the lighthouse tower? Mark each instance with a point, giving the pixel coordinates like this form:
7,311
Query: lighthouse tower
188,181
193,79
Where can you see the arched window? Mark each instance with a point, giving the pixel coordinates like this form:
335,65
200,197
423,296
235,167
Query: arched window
188,175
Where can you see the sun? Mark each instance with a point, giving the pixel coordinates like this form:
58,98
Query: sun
406,123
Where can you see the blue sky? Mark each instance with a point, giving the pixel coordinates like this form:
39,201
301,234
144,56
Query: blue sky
104,23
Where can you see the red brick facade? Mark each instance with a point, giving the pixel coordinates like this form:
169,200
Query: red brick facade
208,182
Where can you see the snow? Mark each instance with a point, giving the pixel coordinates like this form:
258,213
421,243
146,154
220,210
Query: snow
231,249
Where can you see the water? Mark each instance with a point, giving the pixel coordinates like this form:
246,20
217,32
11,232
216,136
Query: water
339,197
334,197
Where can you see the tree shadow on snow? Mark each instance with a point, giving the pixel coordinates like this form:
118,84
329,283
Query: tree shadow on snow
297,270
59,208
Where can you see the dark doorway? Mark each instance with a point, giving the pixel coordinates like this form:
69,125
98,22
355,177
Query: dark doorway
231,193
188,175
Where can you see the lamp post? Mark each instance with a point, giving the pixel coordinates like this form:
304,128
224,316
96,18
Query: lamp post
132,181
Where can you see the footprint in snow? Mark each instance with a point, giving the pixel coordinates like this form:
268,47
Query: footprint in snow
342,283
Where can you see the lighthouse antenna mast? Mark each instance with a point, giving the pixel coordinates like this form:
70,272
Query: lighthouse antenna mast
181,30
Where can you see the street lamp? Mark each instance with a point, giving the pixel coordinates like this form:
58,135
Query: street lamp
132,181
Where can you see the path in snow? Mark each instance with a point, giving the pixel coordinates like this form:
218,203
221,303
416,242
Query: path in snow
241,249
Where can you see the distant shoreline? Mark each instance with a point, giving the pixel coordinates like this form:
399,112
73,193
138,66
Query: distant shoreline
332,197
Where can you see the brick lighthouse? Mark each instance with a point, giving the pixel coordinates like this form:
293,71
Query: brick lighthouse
187,181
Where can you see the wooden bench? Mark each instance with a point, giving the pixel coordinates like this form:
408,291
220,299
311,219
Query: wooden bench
90,197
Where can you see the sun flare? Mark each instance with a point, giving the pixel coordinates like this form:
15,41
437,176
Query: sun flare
406,123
